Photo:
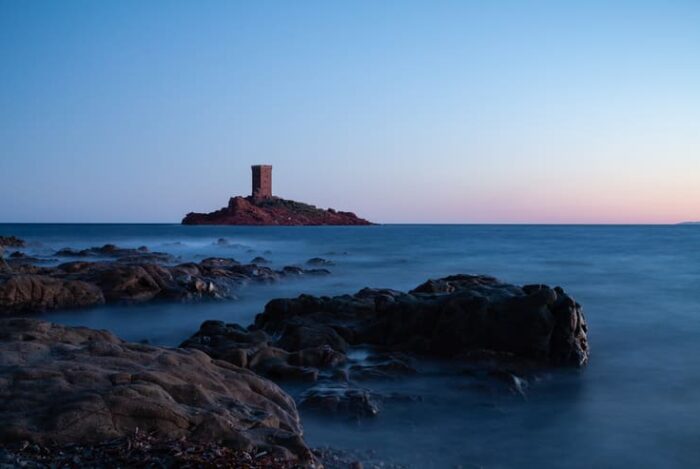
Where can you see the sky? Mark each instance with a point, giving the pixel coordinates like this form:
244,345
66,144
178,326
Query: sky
403,112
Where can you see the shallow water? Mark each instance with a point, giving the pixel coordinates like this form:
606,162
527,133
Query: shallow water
636,404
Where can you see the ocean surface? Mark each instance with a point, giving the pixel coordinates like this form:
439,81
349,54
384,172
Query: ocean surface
637,404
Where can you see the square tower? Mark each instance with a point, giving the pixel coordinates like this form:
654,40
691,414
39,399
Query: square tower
262,181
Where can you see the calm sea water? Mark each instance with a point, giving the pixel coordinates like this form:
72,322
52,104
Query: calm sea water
636,405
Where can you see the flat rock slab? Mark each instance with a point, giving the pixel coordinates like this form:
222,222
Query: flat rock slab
62,385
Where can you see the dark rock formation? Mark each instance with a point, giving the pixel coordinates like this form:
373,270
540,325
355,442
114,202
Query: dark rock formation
255,350
64,385
294,270
319,261
18,258
126,255
27,293
11,242
448,317
341,398
463,316
386,365
492,331
26,288
272,211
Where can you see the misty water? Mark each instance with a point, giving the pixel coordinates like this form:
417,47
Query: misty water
636,404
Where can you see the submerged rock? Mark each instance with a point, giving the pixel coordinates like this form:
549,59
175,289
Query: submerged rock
18,259
64,385
293,270
126,255
383,366
319,261
341,398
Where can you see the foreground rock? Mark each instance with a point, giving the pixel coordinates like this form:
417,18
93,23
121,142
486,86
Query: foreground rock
146,451
255,350
28,293
140,450
272,211
461,316
136,277
63,385
493,332
449,317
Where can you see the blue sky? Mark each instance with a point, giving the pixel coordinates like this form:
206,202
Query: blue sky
490,111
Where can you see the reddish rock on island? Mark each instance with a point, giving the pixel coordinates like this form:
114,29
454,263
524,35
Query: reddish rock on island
262,208
272,211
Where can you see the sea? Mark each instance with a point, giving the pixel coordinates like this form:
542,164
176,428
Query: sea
636,404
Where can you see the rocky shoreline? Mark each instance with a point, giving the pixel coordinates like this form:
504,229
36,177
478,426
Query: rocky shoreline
120,275
71,385
75,396
484,327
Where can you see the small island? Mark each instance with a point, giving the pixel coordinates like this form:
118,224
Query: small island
262,208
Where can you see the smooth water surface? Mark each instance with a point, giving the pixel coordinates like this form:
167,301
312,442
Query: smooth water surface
637,404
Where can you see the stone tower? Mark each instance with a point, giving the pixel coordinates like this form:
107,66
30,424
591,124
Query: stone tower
262,181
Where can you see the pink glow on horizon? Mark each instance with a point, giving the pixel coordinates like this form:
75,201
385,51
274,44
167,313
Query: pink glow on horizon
593,204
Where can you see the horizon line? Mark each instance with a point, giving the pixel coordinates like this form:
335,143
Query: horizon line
375,224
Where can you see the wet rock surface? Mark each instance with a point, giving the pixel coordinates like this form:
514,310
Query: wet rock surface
126,255
293,270
256,350
348,357
447,318
341,398
63,385
127,276
26,293
319,261
497,334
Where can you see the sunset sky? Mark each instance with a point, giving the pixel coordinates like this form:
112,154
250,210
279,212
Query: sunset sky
433,111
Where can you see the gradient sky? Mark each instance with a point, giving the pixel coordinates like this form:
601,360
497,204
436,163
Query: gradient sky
434,111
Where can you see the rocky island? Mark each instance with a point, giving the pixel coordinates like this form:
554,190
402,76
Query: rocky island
262,208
